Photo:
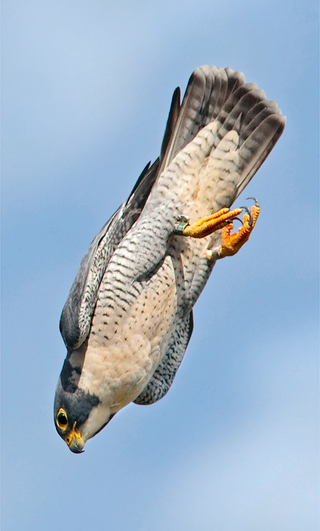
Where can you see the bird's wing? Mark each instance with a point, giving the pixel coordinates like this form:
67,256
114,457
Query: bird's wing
163,376
78,309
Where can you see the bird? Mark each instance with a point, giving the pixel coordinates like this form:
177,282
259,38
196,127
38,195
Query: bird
128,318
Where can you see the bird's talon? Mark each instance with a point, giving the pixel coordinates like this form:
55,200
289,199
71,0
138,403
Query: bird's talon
237,219
231,243
207,225
256,202
249,214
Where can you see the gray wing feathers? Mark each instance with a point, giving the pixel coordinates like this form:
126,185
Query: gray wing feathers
257,147
69,322
77,313
163,376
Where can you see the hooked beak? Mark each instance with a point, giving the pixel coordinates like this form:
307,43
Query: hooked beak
75,441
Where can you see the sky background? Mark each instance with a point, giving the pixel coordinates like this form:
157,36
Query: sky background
86,88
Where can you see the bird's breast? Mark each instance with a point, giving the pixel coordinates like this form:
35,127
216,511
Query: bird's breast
129,336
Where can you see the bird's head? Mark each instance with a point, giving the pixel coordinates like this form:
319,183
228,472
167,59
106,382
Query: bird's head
78,416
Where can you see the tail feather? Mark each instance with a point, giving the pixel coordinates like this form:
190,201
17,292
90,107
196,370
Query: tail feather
257,147
222,96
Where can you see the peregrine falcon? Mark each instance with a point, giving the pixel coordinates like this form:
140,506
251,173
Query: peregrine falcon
128,318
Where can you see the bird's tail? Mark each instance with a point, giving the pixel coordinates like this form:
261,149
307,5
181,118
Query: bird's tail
222,96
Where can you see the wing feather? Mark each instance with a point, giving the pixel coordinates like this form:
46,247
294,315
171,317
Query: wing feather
77,313
165,373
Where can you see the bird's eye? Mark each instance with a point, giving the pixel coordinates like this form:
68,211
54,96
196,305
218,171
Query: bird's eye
62,419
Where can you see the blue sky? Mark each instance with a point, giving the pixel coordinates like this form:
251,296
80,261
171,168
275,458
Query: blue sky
86,88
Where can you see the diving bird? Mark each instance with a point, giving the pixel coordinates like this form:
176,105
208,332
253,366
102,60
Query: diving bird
128,318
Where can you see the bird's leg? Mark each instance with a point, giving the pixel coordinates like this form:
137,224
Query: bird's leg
232,243
205,226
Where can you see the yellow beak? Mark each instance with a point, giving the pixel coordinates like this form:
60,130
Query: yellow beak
75,441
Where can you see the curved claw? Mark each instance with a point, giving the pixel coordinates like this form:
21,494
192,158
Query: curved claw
249,213
238,219
232,242
257,204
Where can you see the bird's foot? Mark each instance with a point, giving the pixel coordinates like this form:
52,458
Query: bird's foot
232,243
205,226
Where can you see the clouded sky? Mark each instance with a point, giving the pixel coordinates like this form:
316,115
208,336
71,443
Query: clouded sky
86,88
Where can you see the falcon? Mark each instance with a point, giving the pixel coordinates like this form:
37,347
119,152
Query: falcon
128,318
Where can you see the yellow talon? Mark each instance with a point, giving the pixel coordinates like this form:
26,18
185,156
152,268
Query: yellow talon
205,226
231,243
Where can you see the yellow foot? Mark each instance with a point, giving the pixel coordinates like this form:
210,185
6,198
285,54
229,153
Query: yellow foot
205,226
231,243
